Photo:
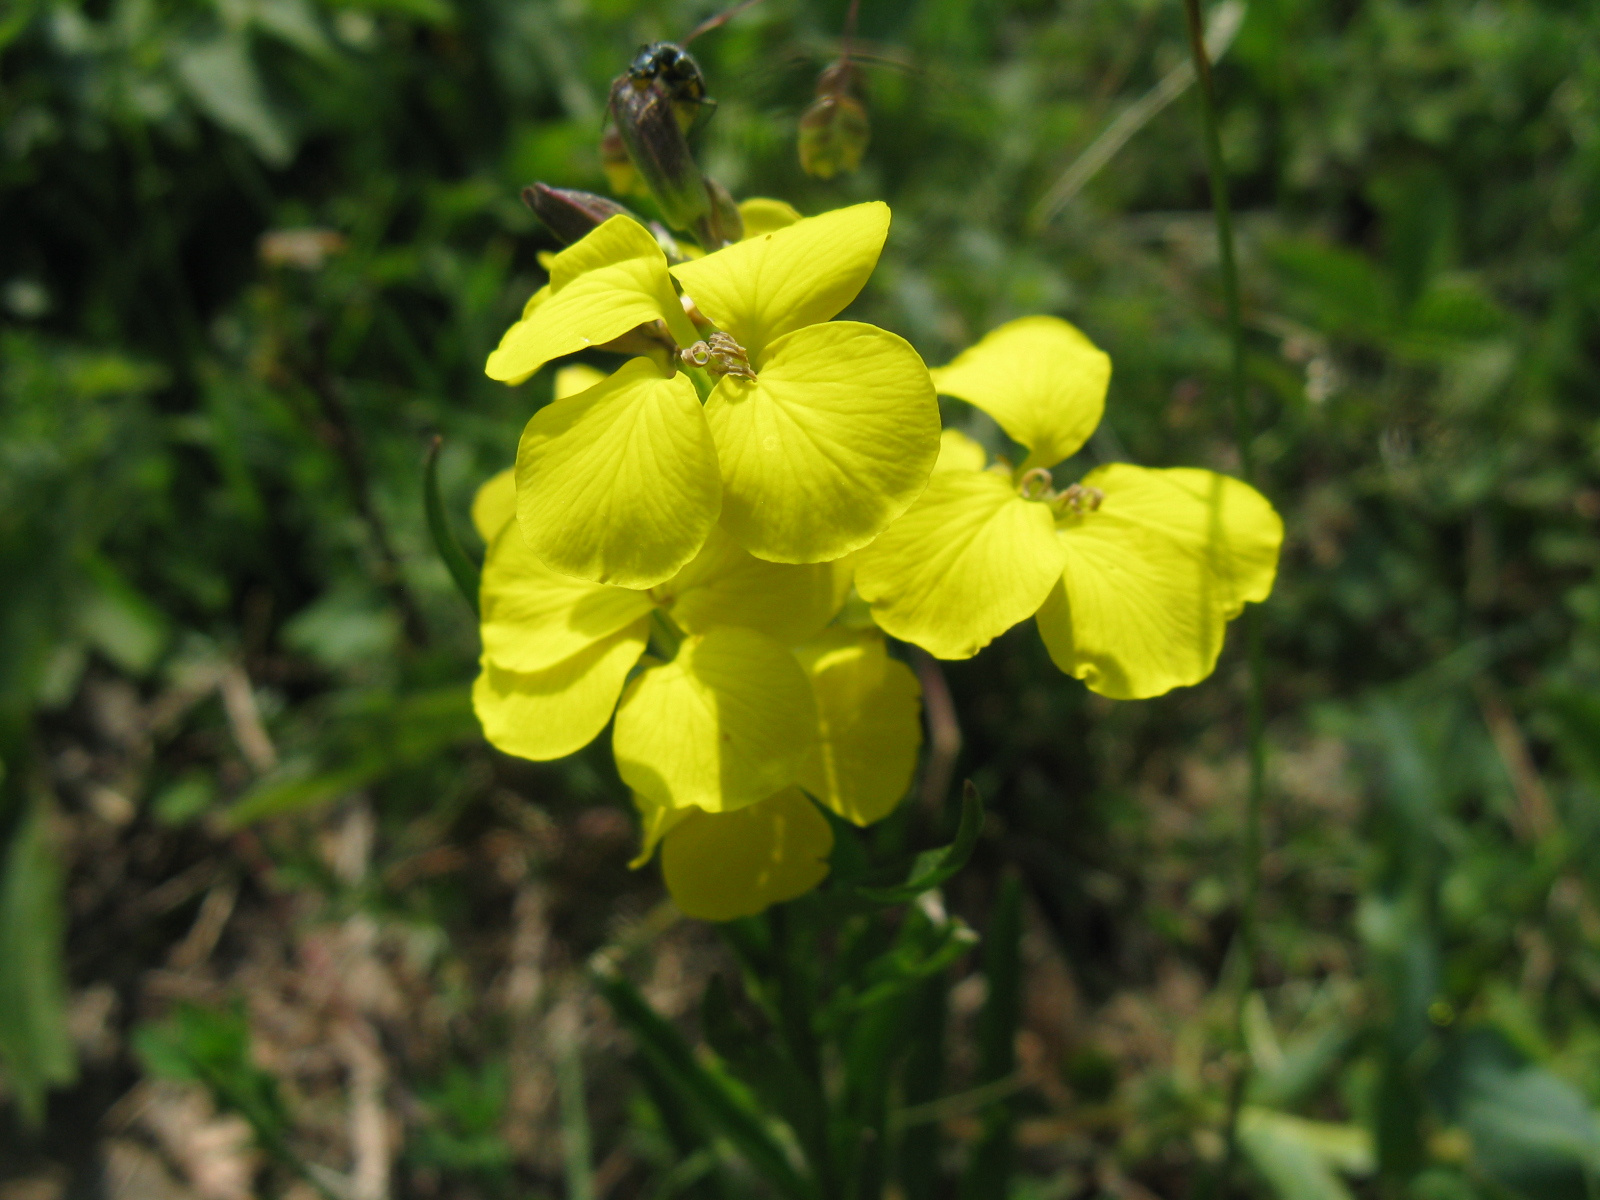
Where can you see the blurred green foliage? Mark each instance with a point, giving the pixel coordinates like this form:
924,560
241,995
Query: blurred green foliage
253,253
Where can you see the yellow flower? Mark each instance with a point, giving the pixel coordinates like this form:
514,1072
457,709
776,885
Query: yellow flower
1131,575
759,699
558,650
720,865
817,434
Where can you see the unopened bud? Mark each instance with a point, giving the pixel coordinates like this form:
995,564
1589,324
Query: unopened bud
654,140
621,178
570,214
724,224
834,130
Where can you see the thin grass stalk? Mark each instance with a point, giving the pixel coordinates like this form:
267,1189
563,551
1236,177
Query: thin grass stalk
1248,946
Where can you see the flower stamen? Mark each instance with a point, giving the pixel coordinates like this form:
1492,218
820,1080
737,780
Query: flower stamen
1078,499
1036,485
720,355
1073,500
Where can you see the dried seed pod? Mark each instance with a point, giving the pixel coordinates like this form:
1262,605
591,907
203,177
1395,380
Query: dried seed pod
834,130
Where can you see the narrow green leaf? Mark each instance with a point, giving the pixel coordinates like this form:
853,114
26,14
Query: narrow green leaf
717,1102
989,1167
1530,1130
575,1147
290,791
220,75
921,1080
771,1075
1299,1158
934,867
35,1048
212,1047
696,1174
461,568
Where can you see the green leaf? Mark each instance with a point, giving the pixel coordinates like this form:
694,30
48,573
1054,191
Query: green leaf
118,621
35,1047
717,1102
921,1080
220,76
575,1140
774,1077
212,1047
389,736
910,962
1340,290
989,1165
461,568
1301,1159
933,867
696,1174
1531,1131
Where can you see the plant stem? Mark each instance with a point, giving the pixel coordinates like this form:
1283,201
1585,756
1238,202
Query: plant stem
1244,434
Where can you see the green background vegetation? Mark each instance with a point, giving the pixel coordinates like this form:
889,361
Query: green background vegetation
260,877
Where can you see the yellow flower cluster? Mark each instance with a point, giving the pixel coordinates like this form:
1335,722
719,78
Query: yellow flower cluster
678,540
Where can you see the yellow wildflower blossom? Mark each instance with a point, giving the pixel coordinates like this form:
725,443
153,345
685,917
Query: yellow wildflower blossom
558,650
720,865
1131,574
816,434
496,501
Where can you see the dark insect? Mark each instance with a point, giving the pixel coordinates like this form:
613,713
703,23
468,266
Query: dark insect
674,69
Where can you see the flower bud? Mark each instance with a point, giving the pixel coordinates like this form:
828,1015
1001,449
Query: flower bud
834,129
570,214
622,179
724,225
648,125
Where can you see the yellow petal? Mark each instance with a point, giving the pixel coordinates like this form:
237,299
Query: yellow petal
958,452
726,723
719,866
725,585
495,504
540,296
533,618
868,724
764,287
1042,380
833,440
1152,578
970,560
579,377
612,280
655,821
619,484
550,714
766,216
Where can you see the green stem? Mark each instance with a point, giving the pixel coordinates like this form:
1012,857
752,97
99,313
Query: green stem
1243,431
1244,434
